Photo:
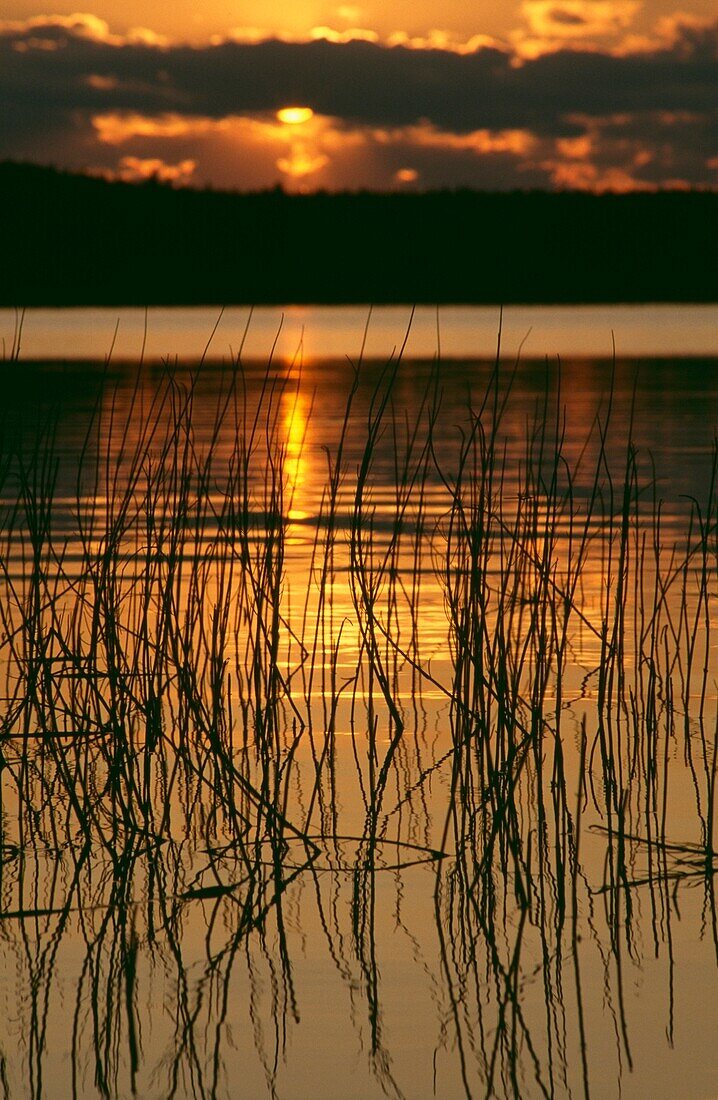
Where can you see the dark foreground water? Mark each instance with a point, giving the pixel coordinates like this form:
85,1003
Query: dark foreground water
358,728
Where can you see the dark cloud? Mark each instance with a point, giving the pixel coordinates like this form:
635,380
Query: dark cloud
358,81
55,78
566,18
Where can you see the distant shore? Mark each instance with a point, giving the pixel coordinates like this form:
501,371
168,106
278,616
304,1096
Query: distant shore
76,240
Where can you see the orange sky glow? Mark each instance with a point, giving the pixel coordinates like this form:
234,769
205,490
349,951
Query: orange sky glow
595,94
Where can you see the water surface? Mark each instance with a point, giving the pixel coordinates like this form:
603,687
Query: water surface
338,331
370,756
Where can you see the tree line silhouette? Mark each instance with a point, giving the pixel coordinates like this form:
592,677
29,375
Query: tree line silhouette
72,239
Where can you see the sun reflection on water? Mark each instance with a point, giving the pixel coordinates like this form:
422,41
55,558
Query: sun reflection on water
296,408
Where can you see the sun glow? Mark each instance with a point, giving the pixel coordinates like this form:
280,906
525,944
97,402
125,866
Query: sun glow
295,116
406,175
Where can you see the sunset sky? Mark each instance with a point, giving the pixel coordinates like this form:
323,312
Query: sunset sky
594,94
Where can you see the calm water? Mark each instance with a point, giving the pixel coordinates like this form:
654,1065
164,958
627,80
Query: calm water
322,331
476,683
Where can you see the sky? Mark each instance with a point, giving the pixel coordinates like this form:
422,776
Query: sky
404,95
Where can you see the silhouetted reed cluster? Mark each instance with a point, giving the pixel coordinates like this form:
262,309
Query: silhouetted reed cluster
204,718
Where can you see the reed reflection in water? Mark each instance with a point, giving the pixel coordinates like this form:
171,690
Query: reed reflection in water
358,729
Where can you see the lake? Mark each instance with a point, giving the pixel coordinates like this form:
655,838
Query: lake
359,713
338,331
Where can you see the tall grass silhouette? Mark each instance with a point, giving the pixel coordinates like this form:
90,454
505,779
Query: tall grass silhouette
201,723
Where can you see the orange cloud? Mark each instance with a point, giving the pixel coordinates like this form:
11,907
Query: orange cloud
101,83
577,148
579,18
248,35
78,25
676,32
444,40
116,128
589,177
565,24
354,34
81,24
517,142
136,169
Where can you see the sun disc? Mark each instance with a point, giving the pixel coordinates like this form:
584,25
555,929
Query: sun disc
294,116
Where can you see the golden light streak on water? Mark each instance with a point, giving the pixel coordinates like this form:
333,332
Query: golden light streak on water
295,425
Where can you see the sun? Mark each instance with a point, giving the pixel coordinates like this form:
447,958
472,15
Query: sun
294,116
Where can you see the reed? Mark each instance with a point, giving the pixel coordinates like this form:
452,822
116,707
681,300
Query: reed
177,678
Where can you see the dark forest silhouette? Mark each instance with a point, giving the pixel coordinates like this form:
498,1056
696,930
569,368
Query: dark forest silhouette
76,240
